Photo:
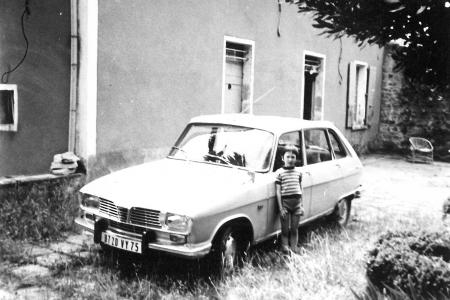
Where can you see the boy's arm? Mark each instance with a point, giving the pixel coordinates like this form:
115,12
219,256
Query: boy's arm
280,207
278,188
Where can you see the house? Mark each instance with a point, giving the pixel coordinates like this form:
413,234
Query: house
116,81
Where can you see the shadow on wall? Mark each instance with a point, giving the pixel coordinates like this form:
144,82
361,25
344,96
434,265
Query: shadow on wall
108,162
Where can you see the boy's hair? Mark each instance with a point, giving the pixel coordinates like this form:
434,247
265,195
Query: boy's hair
290,148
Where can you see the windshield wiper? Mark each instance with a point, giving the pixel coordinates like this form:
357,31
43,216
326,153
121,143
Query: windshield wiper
220,158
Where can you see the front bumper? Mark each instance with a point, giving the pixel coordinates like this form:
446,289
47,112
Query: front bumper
187,250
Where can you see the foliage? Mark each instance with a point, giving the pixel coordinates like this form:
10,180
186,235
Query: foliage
426,113
39,210
417,263
421,24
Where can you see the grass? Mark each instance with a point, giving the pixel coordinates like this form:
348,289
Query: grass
331,265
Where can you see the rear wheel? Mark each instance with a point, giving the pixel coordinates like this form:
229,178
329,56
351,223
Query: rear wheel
341,214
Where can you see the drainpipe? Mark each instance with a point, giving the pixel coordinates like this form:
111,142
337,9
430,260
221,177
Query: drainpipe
73,74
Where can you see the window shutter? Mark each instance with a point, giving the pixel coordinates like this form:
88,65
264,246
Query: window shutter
351,95
371,94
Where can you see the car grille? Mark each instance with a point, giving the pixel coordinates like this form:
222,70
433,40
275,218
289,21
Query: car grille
145,217
136,215
126,227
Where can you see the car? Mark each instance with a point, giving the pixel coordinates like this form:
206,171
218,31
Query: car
214,194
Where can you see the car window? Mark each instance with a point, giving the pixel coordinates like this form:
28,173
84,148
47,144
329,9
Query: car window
316,146
336,144
289,138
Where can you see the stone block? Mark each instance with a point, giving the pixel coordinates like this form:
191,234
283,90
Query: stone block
29,272
36,293
53,259
65,247
5,295
34,250
80,239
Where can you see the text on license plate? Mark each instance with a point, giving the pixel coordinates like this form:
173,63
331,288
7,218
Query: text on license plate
121,243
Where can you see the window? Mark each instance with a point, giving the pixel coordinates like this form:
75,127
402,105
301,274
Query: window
8,107
360,94
313,85
290,138
237,90
336,144
316,146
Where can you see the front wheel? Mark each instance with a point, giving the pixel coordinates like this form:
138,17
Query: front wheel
341,214
230,248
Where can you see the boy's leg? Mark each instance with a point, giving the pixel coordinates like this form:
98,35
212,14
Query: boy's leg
284,231
295,220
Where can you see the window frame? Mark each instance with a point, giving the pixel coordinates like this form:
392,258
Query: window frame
332,133
330,148
301,148
352,95
12,126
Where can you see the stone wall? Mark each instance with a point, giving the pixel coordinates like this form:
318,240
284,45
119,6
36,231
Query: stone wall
411,110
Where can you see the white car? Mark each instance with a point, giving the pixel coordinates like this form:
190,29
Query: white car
215,191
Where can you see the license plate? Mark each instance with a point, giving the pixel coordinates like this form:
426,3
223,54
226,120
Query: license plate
121,243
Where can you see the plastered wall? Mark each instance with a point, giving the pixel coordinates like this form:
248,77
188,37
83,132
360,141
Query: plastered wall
160,63
43,82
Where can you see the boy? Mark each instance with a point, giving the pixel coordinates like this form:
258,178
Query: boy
446,208
289,196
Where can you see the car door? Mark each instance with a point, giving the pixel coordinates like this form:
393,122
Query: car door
348,168
324,171
293,138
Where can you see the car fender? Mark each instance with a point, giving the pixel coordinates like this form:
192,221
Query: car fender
229,219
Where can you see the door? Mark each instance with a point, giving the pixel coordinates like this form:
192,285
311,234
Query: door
233,86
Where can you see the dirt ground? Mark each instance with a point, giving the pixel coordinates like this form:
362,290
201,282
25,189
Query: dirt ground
391,184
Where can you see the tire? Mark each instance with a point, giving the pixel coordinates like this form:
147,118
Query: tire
341,214
229,249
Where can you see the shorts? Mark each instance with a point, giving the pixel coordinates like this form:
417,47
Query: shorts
293,204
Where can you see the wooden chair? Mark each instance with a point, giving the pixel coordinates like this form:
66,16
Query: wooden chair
421,150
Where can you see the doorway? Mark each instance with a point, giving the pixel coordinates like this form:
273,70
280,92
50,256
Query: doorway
308,96
313,86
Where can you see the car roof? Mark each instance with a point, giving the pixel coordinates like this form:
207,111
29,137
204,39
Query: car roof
275,124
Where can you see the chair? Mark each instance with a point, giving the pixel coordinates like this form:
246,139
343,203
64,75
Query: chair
421,150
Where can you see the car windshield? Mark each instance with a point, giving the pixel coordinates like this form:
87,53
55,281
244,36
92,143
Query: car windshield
226,145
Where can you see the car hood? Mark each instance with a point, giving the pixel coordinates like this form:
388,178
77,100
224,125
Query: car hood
172,185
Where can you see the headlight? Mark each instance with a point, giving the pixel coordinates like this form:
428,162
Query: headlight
174,222
89,201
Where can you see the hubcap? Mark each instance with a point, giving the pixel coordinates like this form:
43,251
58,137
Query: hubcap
229,252
342,211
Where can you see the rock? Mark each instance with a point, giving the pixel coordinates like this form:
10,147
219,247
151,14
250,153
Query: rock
34,250
80,239
5,295
65,247
53,259
36,293
30,272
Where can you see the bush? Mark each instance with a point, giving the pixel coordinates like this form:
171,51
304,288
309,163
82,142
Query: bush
41,209
416,263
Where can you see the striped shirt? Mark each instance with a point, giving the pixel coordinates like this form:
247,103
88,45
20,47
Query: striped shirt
290,180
